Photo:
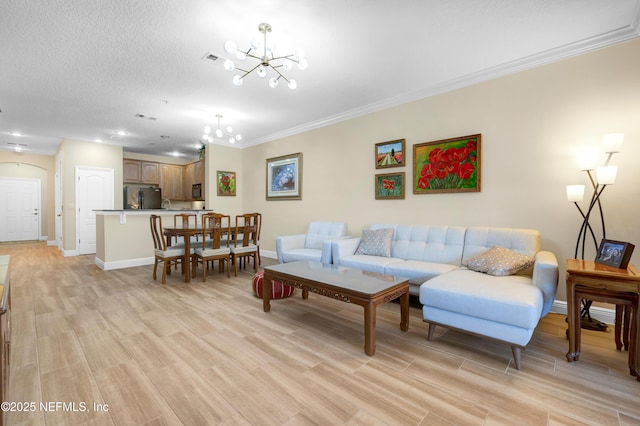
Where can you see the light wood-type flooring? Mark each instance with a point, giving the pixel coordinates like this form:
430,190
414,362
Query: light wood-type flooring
206,353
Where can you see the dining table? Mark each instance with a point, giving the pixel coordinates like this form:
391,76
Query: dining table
186,231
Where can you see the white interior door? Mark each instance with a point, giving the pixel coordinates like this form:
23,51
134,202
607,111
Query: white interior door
94,191
19,209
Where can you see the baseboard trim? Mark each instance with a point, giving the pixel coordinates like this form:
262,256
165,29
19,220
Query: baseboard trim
121,264
605,315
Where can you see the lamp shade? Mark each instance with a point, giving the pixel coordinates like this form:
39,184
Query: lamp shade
613,142
575,193
606,175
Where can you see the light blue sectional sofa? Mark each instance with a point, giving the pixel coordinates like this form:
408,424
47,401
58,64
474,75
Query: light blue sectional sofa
506,308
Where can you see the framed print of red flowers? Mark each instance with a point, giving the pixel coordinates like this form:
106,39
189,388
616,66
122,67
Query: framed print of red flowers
390,186
448,165
226,183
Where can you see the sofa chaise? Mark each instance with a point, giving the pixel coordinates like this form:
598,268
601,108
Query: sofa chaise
493,282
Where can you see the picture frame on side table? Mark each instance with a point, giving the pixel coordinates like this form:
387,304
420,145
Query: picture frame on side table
284,177
447,165
390,154
226,183
614,253
390,186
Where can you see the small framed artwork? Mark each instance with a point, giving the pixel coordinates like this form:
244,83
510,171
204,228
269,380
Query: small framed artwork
390,154
284,177
226,183
614,253
448,165
390,186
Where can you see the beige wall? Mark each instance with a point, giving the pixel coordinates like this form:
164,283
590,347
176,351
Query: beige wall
532,123
85,154
41,167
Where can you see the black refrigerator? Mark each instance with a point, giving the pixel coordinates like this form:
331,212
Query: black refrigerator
142,198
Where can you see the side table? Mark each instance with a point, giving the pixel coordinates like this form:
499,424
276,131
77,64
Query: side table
587,279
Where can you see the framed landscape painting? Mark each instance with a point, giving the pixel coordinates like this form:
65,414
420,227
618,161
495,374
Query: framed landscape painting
226,182
390,186
390,154
284,177
448,165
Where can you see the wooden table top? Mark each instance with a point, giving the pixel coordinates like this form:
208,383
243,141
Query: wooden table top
593,269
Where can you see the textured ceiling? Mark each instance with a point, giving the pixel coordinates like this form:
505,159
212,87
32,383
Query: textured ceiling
83,69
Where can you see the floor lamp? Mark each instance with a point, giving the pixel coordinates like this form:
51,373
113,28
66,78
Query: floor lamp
604,175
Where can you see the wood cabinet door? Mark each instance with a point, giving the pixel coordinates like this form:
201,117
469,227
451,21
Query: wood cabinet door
177,189
131,171
188,180
150,172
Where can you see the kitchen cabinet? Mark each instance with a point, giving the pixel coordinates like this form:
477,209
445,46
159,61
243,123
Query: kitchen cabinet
131,171
136,171
171,181
193,173
150,172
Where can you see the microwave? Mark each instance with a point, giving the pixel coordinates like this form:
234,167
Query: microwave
196,191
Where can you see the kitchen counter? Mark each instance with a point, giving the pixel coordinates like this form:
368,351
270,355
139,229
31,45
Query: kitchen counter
123,237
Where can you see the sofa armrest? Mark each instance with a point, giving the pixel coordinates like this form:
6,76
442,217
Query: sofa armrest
343,247
289,242
545,277
327,250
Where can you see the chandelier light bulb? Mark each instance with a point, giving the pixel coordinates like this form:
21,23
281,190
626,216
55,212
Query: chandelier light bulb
207,130
238,137
287,64
261,71
273,82
229,65
237,80
293,85
241,55
219,133
230,47
303,64
229,129
232,140
299,53
255,42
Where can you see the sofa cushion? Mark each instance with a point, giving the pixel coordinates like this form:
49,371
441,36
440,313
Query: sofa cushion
499,261
376,242
302,254
320,231
480,239
376,264
510,300
416,271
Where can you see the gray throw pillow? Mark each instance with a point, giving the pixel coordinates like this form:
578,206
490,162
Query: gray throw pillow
376,242
499,261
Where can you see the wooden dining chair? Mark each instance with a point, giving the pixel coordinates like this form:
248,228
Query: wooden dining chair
185,219
245,240
212,248
167,255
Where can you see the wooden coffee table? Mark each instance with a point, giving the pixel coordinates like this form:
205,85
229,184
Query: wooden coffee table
348,285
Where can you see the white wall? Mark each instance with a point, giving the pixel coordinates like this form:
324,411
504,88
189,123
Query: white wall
532,123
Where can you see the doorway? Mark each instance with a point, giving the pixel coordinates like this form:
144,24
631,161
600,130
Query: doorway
19,209
94,191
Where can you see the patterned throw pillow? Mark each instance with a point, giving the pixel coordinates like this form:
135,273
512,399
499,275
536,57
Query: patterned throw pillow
499,261
376,242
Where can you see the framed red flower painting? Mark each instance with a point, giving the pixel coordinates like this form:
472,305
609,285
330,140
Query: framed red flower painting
390,186
448,165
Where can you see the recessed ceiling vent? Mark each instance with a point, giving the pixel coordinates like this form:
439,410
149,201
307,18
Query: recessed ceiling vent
116,137
145,117
211,57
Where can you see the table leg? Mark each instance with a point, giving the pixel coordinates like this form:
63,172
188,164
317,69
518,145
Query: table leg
266,292
370,328
634,368
618,326
187,259
573,318
404,311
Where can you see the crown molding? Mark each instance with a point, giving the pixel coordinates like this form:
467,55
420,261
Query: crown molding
620,35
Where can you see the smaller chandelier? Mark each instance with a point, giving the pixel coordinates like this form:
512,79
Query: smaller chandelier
266,58
220,133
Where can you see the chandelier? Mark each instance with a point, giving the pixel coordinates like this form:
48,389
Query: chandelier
264,53
220,133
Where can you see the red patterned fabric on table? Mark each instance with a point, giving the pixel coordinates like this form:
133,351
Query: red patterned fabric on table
278,290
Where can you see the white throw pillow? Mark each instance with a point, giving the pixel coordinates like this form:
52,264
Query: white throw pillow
499,261
376,242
